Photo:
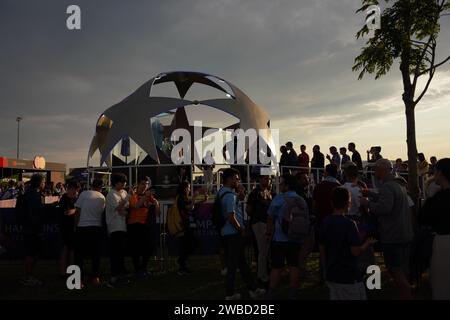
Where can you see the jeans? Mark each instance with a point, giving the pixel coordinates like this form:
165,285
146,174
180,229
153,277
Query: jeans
117,243
236,259
259,229
141,246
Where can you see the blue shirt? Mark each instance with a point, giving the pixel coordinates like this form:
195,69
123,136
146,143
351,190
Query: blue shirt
230,203
276,212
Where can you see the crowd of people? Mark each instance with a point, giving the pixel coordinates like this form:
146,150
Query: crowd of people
291,161
82,216
12,189
338,215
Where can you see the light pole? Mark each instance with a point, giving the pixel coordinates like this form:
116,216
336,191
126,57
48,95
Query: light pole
18,119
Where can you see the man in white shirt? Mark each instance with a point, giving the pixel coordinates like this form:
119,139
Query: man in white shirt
89,209
117,203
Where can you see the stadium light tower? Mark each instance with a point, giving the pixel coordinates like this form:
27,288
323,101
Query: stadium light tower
18,119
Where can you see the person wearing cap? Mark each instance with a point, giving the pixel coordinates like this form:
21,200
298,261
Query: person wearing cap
395,228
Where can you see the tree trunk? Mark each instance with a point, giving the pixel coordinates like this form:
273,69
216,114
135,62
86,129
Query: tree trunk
413,180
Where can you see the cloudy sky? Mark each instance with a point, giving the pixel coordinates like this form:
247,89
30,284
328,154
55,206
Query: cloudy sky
292,57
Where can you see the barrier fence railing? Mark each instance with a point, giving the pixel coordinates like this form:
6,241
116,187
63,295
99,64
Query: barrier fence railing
248,169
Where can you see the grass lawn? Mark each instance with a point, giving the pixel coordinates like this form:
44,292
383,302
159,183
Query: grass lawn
205,283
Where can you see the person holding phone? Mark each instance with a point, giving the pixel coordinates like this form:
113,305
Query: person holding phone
142,205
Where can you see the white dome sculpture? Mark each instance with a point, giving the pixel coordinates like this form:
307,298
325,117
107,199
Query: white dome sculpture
131,117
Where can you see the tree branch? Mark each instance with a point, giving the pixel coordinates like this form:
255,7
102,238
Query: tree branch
424,52
421,46
441,63
433,66
436,66
428,50
432,70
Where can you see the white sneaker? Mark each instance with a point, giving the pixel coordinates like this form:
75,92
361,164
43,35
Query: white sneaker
257,293
236,296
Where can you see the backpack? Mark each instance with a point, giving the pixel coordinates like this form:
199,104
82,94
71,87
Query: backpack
295,223
21,210
217,216
174,221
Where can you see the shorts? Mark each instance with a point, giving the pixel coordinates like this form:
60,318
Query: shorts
282,252
32,244
396,256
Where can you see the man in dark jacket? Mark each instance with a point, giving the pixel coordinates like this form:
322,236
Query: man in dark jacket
30,209
393,213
